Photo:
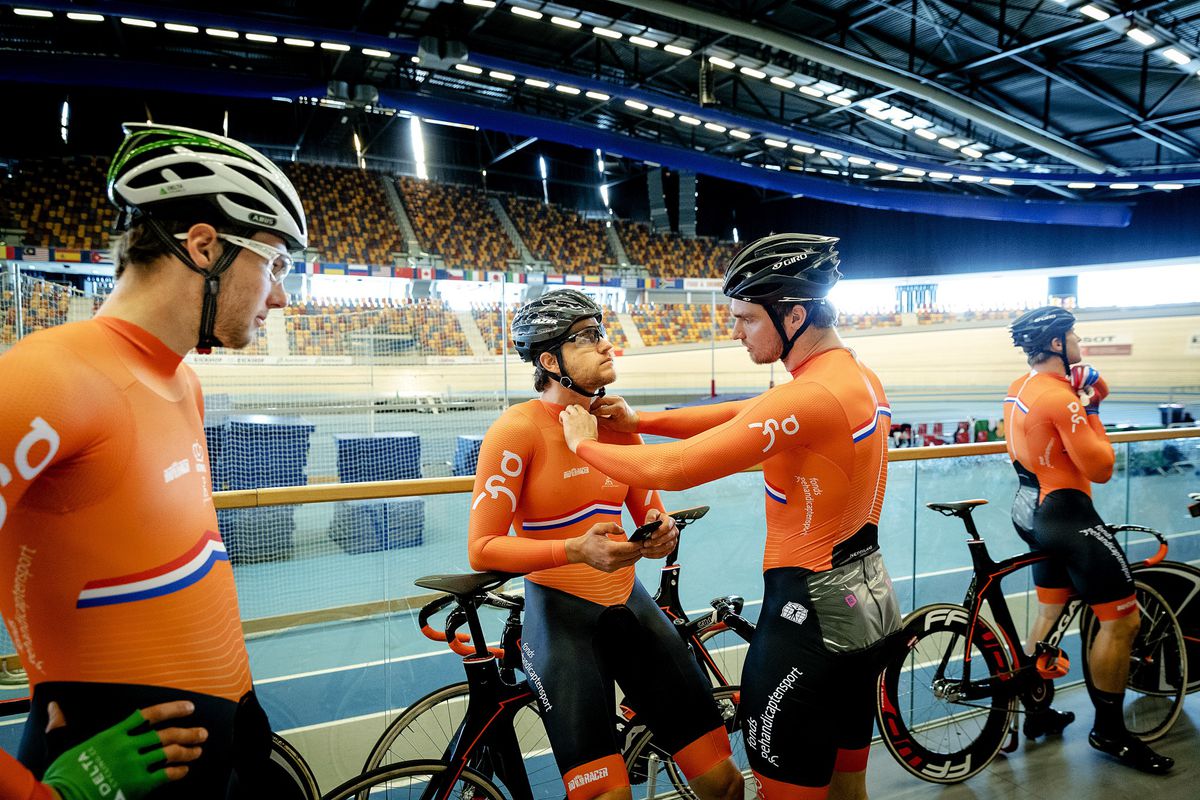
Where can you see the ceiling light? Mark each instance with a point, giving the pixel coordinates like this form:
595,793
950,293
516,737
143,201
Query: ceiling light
1122,186
502,76
925,133
526,12
607,33
470,69
811,92
677,50
300,42
81,17
827,171
774,167
480,3
221,33
753,73
1081,185
714,127
721,62
642,41
739,134
860,161
874,104
774,143
662,112
1176,56
971,178
337,47
838,100
1141,37
175,26
1168,187
861,176
805,149
34,12
971,152
267,38
571,90
688,120
783,83
637,104
567,23
601,96
1095,13
947,142
137,23
537,83
941,176
913,171
832,156
885,167
1000,181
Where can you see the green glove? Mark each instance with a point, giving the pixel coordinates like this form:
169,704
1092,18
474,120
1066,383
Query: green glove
112,765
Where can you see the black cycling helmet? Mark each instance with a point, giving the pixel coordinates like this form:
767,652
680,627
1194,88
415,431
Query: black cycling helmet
786,267
541,325
165,172
1034,331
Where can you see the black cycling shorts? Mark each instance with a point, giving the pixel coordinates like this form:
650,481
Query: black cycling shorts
235,758
808,700
1085,556
573,650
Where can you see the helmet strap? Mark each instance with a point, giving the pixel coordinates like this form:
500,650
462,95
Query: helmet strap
565,380
788,341
212,281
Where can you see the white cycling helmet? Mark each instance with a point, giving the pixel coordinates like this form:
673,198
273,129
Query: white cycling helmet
158,165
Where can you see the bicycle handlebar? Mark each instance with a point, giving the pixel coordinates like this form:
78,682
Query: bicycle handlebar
1159,555
460,643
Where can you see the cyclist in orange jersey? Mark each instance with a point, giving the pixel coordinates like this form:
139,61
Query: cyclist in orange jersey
808,682
588,620
1059,448
118,589
128,760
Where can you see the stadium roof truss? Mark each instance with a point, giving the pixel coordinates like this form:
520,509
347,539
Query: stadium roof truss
1050,111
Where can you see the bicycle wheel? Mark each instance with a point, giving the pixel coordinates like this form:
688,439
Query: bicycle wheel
410,780
652,771
425,729
724,654
1179,585
289,774
927,727
1157,665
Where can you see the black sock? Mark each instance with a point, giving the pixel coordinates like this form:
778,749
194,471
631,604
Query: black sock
1110,717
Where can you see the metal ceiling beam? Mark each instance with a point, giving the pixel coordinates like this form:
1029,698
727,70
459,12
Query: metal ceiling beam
879,73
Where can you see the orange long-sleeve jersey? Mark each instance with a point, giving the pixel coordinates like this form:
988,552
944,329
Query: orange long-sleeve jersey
18,783
822,442
110,561
1054,436
528,480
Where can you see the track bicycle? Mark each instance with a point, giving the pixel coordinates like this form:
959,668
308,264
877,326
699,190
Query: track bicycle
948,703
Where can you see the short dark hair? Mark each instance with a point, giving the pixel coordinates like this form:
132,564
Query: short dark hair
820,311
138,245
541,375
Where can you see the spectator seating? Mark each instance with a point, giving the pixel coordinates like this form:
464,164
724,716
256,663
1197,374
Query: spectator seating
349,220
564,238
670,256
456,223
381,328
60,202
679,323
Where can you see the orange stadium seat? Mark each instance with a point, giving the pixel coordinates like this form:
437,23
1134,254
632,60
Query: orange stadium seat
60,202
456,223
564,238
349,219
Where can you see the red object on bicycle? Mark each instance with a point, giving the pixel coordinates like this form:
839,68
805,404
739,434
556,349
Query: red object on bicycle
1053,664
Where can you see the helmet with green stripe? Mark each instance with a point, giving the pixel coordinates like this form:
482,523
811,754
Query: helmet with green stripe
158,166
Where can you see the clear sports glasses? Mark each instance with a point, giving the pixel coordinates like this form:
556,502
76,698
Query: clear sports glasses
279,263
588,337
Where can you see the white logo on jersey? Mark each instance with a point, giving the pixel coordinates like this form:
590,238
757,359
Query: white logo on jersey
177,470
494,485
39,431
1077,415
575,472
790,426
794,612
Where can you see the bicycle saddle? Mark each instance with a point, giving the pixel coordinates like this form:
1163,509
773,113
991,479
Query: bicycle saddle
955,508
467,584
